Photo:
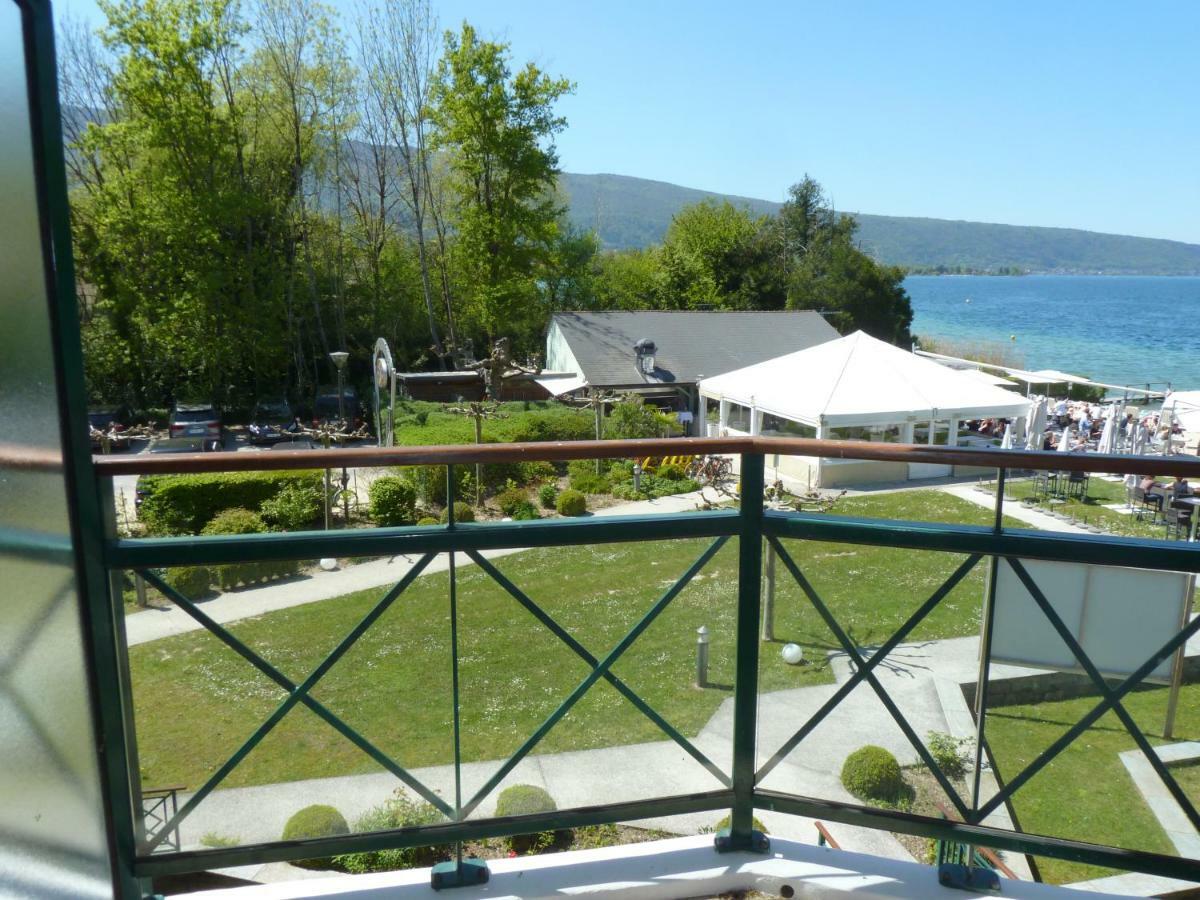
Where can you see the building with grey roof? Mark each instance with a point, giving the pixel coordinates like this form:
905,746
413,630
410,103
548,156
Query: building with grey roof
662,355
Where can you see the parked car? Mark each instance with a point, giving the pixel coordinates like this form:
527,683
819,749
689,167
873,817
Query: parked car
170,445
270,421
112,421
196,420
326,408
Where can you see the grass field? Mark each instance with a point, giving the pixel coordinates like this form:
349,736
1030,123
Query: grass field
1092,511
196,701
1086,794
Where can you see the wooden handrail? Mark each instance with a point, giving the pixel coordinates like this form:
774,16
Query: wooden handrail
21,457
824,832
459,454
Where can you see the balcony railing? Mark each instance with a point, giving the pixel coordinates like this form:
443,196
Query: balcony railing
755,528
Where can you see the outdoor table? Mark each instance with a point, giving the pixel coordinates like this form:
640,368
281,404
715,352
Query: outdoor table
1194,502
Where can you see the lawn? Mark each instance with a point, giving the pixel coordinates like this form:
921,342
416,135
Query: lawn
196,702
1092,511
1086,794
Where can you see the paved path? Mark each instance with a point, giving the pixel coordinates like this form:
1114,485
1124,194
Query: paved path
1013,509
153,624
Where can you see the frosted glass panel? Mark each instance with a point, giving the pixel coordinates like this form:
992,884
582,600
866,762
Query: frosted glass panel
52,841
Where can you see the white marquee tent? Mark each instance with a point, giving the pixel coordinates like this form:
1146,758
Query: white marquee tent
860,380
870,388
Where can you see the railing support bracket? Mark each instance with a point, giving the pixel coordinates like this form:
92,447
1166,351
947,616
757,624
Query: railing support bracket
759,842
968,878
458,873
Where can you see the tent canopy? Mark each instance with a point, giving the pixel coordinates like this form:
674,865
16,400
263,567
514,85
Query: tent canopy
860,380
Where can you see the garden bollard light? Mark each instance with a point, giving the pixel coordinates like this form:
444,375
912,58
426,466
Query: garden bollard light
701,656
637,478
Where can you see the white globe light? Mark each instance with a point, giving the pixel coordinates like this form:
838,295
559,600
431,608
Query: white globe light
328,564
793,654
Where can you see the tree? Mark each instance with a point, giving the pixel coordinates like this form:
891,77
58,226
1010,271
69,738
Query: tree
827,272
498,129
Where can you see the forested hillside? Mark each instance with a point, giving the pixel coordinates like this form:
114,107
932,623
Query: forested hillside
634,212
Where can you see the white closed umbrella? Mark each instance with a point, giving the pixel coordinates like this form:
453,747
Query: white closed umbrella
1064,441
1006,443
1037,424
1109,434
1166,423
1138,445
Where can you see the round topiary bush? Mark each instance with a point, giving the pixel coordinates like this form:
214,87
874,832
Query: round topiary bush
462,513
872,773
511,500
525,511
235,521
571,503
193,582
393,501
316,821
548,494
427,520
526,800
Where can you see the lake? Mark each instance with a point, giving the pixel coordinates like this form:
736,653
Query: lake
1122,330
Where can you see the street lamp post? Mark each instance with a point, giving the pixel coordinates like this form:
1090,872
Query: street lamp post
339,358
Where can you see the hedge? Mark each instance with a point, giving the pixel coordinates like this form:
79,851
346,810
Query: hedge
184,504
527,800
229,576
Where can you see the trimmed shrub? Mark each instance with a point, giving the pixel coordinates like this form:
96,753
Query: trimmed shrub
393,501
316,821
547,494
511,500
872,773
756,823
235,521
296,507
583,477
527,800
571,503
427,520
462,513
671,472
525,511
398,812
243,521
193,582
184,504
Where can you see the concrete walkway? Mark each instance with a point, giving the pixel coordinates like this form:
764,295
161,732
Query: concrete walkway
1013,510
154,624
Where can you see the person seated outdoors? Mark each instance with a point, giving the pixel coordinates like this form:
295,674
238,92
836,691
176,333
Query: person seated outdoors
1048,442
1180,488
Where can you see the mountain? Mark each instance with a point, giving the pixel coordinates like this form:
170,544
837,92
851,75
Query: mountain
634,212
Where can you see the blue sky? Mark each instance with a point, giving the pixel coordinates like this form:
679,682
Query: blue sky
1070,114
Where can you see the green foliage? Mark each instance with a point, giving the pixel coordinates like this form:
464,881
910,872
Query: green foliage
872,773
235,521
397,812
671,472
497,129
462,513
191,581
653,486
950,753
756,822
393,501
231,575
582,475
511,500
526,800
295,507
316,821
427,520
525,511
183,504
571,503
548,494
632,418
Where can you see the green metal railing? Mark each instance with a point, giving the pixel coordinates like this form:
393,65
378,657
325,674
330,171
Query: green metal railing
754,527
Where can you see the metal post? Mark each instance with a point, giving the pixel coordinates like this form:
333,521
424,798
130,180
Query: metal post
1177,666
768,616
741,834
988,620
598,404
139,587
702,656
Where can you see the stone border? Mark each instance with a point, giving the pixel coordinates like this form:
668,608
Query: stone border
1172,819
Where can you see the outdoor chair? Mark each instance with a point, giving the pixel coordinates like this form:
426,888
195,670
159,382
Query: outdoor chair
1147,500
1178,523
1077,485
